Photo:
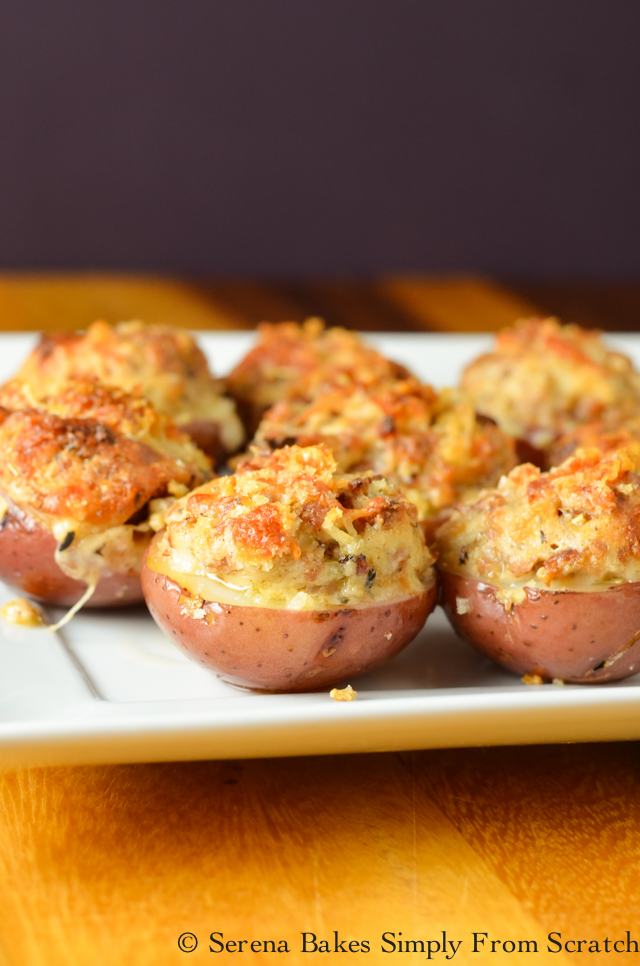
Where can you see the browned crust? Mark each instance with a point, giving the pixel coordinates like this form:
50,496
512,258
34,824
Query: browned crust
292,360
582,518
117,354
81,468
156,363
432,445
277,503
283,650
154,348
27,563
607,436
577,637
542,379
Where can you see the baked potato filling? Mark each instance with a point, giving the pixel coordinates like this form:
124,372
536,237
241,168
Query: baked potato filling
576,527
432,445
542,379
287,531
97,468
161,362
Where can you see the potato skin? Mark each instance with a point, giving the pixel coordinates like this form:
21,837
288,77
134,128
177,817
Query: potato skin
286,650
526,453
27,563
566,635
205,433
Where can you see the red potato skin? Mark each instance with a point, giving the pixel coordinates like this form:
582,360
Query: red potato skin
526,453
285,650
27,563
430,526
206,435
566,635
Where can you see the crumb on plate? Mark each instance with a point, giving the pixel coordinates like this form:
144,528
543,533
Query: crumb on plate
343,694
532,679
23,612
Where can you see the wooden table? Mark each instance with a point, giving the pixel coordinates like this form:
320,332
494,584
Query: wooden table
110,865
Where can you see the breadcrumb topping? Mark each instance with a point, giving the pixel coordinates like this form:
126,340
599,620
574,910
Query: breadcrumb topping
606,435
542,379
432,445
287,530
580,521
295,361
98,468
127,414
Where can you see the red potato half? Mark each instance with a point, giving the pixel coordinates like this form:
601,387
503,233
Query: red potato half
577,637
285,650
27,562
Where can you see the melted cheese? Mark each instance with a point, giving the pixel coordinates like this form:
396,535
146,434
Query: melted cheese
94,552
212,588
79,604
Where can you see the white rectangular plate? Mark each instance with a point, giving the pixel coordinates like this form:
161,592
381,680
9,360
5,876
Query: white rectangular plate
110,688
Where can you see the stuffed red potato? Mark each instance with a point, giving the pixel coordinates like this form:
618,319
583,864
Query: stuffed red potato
287,576
542,574
292,361
543,379
162,363
84,479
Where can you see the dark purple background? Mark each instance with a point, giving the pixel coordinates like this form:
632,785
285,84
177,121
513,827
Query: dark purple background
291,137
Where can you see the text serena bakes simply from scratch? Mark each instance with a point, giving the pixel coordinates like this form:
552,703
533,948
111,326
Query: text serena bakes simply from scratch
396,942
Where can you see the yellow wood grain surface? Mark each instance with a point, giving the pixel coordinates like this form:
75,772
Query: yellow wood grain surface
52,302
456,304
111,864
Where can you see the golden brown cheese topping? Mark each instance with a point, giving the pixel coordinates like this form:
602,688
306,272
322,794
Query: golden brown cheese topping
576,527
605,435
162,363
542,379
127,415
82,469
430,444
293,360
287,531
95,467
